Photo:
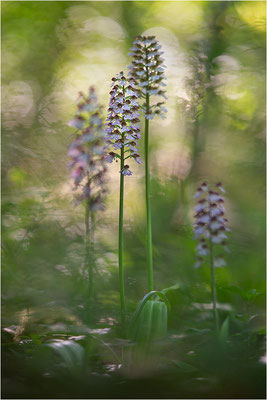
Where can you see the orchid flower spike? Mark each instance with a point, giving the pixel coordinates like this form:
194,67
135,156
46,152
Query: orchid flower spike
87,152
122,125
210,225
147,69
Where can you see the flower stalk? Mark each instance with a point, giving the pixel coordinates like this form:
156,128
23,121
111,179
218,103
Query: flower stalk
148,205
123,133
89,248
213,287
121,269
210,229
88,166
148,70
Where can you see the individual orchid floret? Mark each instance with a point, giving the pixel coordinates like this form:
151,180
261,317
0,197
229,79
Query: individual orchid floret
122,124
210,225
200,190
125,170
87,153
147,69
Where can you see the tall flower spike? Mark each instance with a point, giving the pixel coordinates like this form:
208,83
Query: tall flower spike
89,168
122,125
147,69
123,133
87,151
210,230
210,223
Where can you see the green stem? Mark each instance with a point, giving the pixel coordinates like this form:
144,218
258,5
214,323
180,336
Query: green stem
89,248
148,208
92,257
215,312
121,272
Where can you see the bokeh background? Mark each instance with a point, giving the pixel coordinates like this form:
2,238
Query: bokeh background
53,50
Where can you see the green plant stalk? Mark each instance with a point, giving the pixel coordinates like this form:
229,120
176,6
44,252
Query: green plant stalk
148,207
213,289
92,256
89,248
121,270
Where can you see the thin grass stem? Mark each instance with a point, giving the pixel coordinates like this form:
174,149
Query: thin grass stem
89,249
213,289
92,256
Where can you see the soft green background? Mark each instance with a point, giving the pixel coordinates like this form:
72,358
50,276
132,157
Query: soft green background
52,50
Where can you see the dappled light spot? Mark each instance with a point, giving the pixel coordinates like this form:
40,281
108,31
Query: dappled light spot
253,13
208,306
108,321
174,161
263,359
113,367
78,14
104,26
99,331
63,269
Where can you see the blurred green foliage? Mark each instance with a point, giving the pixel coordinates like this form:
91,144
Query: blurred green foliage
52,50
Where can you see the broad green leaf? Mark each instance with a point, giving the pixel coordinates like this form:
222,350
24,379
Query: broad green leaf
143,302
70,352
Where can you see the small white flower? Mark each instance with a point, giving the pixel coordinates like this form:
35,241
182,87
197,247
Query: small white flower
126,107
201,206
163,109
218,238
114,136
129,137
205,218
219,262
153,53
141,73
116,121
198,193
147,41
213,196
215,211
153,91
149,64
198,262
219,186
215,225
130,92
126,128
155,78
199,230
202,249
77,123
149,116
145,83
